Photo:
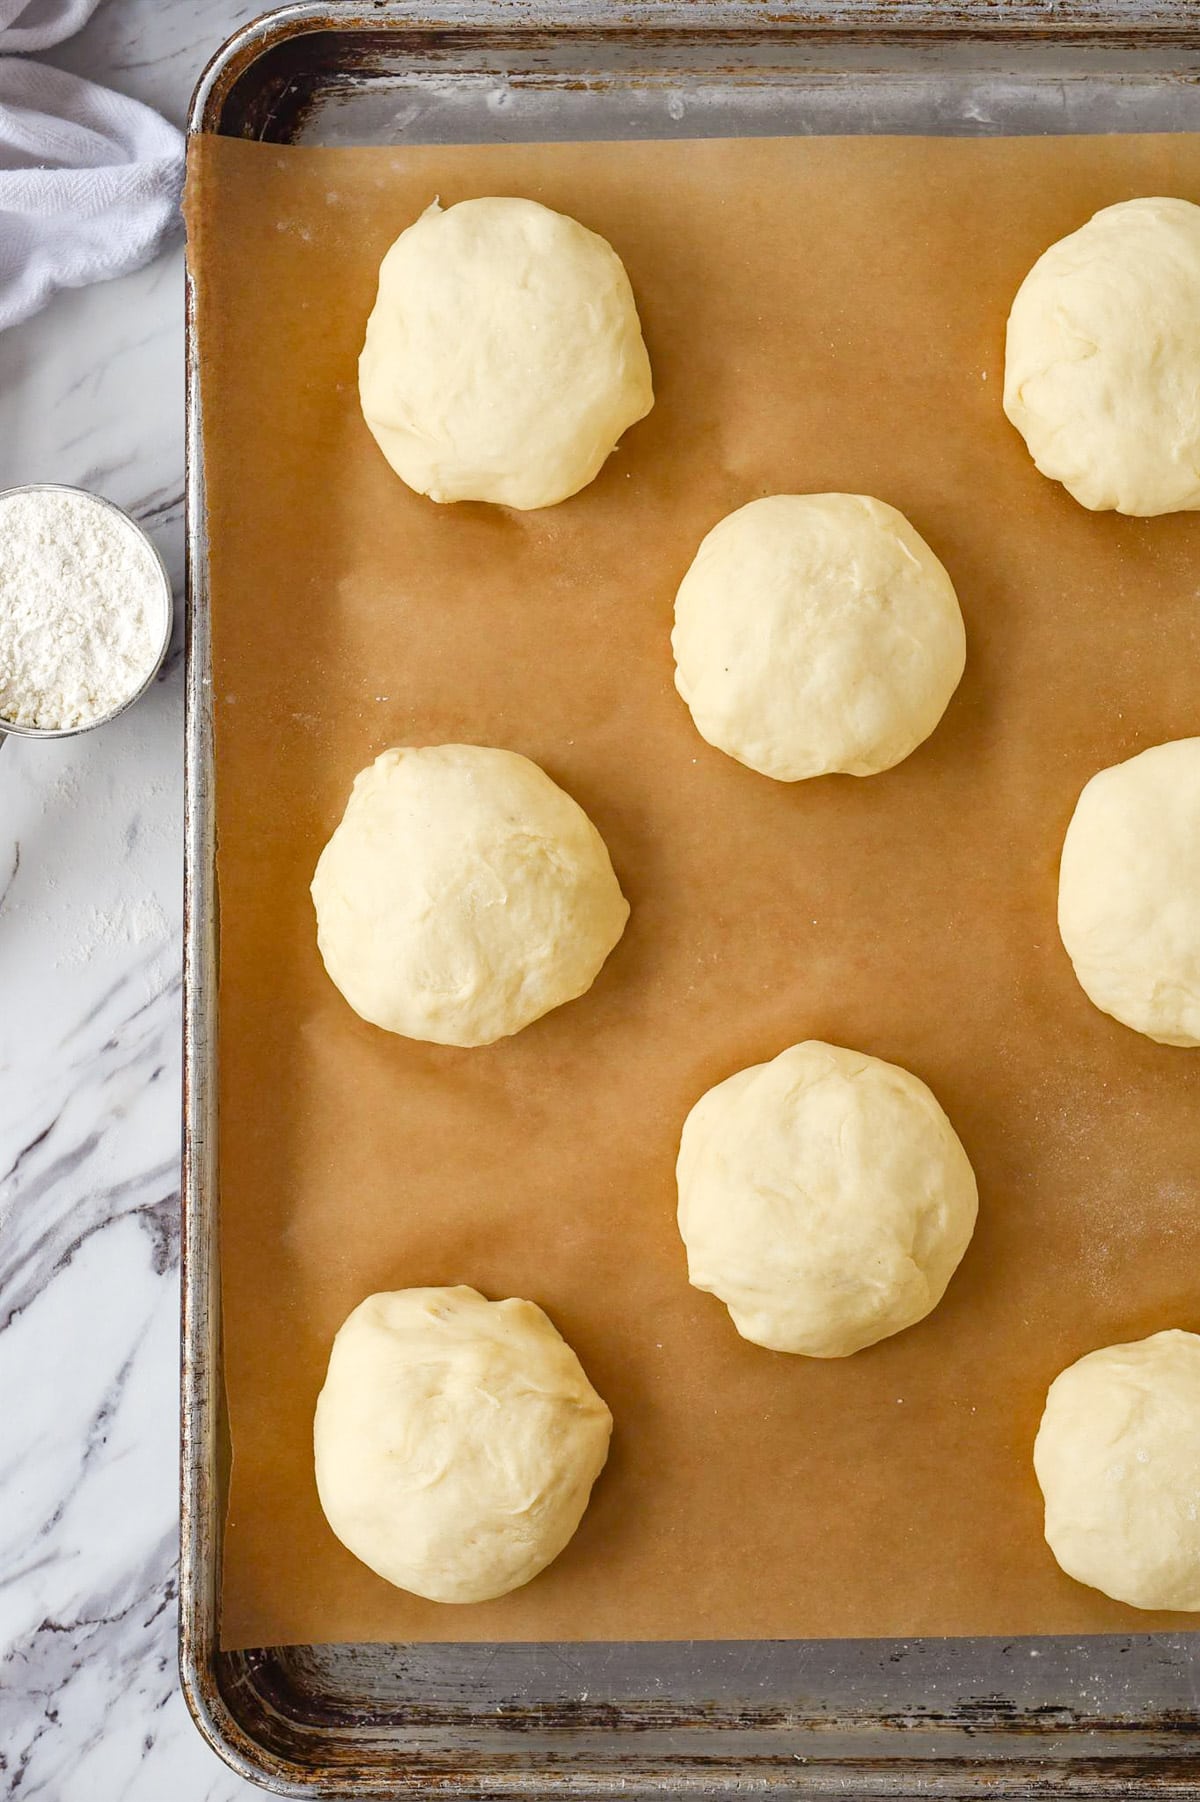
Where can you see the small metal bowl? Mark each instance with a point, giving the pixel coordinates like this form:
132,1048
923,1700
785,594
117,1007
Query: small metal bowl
9,728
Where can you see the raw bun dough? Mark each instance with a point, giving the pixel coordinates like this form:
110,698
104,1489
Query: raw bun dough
825,1198
1118,1459
463,895
1129,892
456,1441
504,357
1102,363
817,632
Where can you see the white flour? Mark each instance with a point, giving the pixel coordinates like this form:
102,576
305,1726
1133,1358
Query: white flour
80,609
140,921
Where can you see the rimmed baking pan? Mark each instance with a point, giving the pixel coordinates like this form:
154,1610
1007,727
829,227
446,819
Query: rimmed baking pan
1092,1716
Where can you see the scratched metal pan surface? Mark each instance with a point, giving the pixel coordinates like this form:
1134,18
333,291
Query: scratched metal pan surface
1089,1717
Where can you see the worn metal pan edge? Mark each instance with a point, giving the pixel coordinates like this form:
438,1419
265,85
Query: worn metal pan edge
263,1711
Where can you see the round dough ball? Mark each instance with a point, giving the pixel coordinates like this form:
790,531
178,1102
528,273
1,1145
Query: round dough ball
463,895
456,1441
825,1198
1102,361
817,632
1118,1459
1129,892
504,357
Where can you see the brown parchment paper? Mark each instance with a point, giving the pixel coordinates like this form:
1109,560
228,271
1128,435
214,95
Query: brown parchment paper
820,315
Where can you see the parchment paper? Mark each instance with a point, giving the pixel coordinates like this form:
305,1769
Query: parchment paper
820,315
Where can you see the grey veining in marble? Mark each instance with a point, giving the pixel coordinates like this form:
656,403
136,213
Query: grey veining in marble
91,392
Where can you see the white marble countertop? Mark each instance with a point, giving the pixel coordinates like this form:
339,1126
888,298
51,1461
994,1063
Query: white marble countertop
91,392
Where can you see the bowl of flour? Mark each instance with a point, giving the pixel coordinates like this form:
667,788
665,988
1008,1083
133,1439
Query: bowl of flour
85,611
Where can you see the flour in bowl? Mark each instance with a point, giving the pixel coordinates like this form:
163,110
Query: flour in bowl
81,609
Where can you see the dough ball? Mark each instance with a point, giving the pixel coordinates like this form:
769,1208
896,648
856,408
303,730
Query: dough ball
1118,1459
1129,892
816,632
1102,362
456,1441
824,1198
504,357
463,895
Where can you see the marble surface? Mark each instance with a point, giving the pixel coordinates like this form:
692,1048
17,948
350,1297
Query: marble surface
91,392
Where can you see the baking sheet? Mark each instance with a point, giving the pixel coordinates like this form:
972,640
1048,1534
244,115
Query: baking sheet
820,314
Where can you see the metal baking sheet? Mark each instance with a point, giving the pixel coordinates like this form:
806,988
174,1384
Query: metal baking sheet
1090,1717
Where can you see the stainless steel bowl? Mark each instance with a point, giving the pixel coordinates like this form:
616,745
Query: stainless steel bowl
167,605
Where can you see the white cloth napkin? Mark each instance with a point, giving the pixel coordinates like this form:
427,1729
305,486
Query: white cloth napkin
36,24
89,179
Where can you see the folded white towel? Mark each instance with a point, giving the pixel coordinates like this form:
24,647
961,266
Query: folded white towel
89,179
36,24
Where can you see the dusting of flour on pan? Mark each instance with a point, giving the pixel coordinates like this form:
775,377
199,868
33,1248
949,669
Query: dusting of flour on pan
80,609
